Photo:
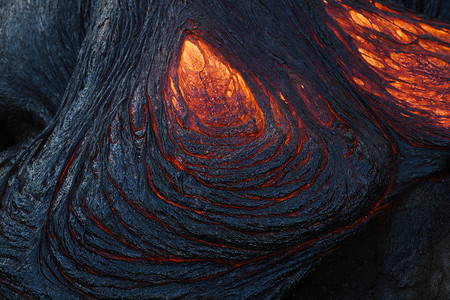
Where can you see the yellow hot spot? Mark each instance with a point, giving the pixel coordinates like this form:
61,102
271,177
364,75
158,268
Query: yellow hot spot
360,39
407,26
358,81
441,33
398,85
382,7
373,61
175,103
172,87
371,58
192,58
282,97
360,19
363,51
402,36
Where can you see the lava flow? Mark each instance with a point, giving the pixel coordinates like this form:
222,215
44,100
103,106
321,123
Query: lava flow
214,95
231,145
217,127
408,60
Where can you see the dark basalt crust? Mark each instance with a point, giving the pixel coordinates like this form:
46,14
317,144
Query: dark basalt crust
204,149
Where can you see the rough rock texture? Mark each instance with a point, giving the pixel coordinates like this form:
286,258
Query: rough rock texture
404,254
219,149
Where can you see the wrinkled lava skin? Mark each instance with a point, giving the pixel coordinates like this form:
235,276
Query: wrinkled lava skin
208,149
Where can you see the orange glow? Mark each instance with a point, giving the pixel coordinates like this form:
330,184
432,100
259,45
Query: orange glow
217,128
213,91
410,57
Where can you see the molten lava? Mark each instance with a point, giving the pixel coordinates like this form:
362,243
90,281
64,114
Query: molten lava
214,93
219,133
246,150
409,62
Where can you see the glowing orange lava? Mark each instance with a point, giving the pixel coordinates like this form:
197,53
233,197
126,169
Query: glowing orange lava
410,56
214,93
